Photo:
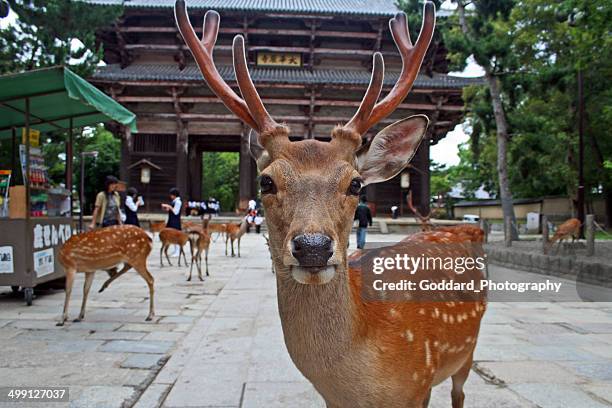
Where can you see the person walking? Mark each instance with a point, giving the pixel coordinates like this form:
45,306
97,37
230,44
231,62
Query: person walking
174,209
107,207
364,216
132,202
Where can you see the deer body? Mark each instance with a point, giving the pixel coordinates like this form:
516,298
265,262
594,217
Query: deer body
220,229
570,228
199,241
171,236
234,232
355,352
105,249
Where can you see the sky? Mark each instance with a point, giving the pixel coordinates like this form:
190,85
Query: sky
446,151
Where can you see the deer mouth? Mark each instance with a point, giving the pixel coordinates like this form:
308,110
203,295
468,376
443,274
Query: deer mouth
313,275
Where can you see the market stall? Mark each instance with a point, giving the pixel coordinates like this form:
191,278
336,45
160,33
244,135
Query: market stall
35,216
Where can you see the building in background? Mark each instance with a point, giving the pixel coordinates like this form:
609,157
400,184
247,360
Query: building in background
311,62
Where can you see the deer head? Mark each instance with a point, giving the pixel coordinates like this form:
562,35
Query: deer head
310,189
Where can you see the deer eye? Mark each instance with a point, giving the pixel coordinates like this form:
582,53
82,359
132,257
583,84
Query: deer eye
355,187
267,185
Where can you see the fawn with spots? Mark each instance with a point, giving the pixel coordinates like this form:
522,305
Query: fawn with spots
105,249
356,353
171,236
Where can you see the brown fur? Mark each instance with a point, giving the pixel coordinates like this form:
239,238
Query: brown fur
356,353
570,228
234,232
199,240
171,236
104,249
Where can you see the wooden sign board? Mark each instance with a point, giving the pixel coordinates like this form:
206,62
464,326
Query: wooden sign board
279,59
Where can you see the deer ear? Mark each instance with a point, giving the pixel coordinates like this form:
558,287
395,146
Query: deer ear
391,149
257,151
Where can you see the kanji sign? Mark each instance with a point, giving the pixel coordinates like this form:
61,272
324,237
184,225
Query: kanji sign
279,59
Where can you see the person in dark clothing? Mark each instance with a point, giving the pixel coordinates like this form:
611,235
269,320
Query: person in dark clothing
364,216
132,202
174,209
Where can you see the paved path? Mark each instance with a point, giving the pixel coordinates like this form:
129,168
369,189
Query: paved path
219,344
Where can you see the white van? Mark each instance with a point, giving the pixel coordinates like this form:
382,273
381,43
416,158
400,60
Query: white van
470,218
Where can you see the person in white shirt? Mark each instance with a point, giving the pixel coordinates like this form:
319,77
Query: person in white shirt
132,202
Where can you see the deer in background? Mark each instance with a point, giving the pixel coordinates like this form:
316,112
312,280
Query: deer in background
356,353
104,249
234,232
199,241
171,236
220,229
426,224
570,228
268,245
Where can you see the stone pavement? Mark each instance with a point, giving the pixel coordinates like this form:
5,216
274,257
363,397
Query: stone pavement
219,344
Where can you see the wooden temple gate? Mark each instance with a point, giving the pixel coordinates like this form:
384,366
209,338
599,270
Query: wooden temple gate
311,68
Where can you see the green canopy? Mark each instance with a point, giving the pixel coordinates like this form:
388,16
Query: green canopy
56,95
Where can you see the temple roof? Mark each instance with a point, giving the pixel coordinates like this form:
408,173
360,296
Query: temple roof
338,7
171,72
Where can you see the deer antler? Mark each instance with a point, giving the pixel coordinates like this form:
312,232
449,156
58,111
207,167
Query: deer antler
250,111
412,58
425,220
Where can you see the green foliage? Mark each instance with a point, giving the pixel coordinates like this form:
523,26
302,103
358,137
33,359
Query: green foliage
45,34
221,178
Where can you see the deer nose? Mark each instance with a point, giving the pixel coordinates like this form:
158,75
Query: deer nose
312,249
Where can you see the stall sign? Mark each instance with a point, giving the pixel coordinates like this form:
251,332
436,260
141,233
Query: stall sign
279,59
43,262
6,259
34,137
51,235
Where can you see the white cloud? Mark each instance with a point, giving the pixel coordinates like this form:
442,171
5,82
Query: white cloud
447,149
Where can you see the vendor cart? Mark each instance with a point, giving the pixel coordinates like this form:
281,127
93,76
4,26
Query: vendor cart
39,217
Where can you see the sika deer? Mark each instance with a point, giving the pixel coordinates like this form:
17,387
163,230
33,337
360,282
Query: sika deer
426,224
355,352
199,240
570,228
104,249
171,236
234,232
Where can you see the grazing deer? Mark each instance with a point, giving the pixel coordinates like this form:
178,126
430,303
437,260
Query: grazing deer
234,232
569,228
171,236
426,224
355,353
104,249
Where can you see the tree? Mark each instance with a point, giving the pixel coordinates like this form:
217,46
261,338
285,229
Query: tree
221,178
53,32
483,34
553,42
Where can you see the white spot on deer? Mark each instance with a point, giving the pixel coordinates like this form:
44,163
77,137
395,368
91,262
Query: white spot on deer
451,319
473,313
393,312
415,376
409,336
435,313
421,311
444,317
427,354
469,339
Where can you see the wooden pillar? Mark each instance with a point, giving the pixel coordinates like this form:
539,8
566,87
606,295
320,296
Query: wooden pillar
195,172
419,180
544,234
124,171
248,172
590,234
182,159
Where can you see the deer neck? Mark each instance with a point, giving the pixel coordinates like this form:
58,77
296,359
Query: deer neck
317,320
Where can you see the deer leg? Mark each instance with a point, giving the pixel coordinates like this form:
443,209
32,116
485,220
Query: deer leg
426,402
459,378
126,267
167,257
184,256
206,261
226,238
86,286
111,272
239,247
193,258
141,268
70,272
161,256
232,243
